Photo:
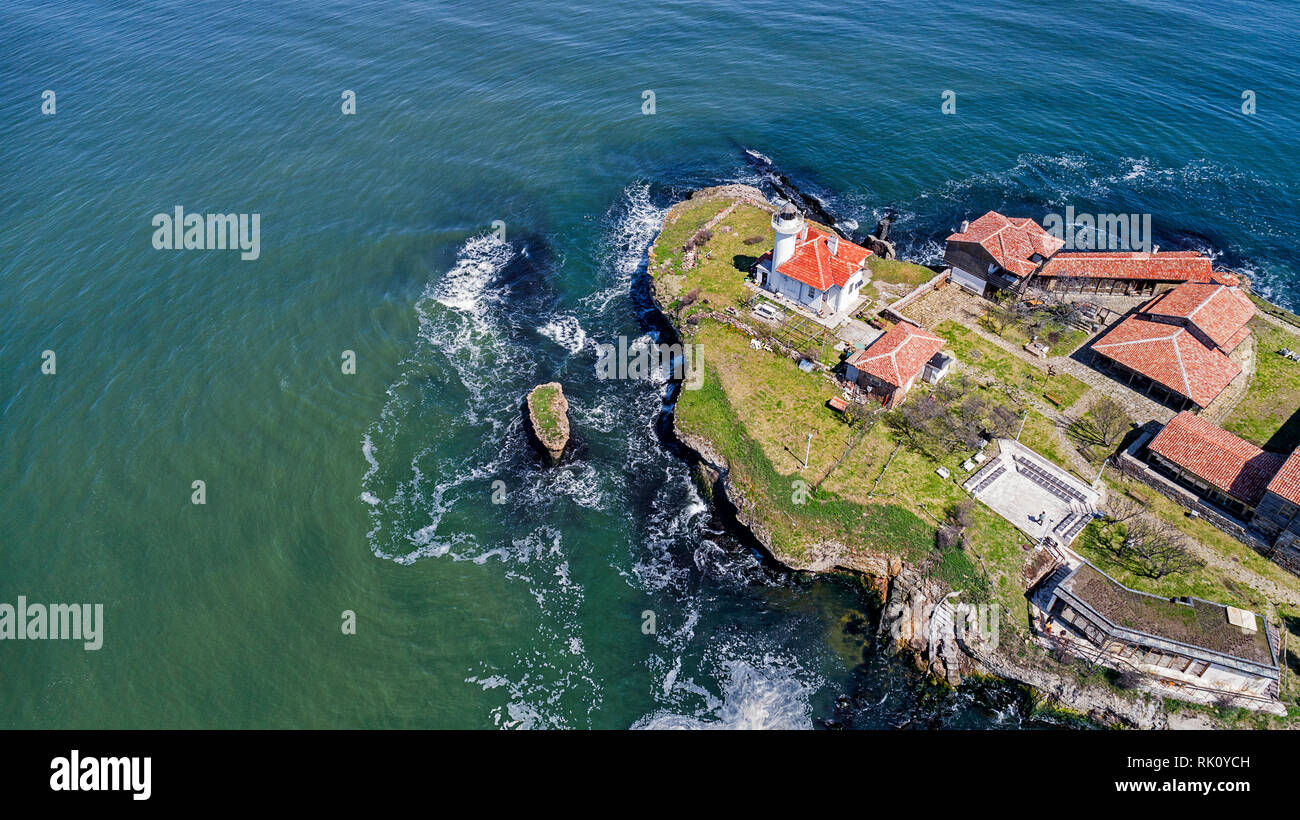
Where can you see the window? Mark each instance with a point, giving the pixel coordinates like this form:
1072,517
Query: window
811,291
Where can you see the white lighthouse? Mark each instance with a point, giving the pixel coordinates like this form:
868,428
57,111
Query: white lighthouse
788,225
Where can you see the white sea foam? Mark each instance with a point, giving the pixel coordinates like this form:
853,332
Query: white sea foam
637,223
762,693
566,332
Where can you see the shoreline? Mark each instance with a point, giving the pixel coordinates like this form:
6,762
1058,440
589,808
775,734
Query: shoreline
912,602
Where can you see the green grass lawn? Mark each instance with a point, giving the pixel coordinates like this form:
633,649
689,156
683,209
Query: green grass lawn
539,401
1203,582
1206,582
1069,340
1275,311
1040,435
898,272
1269,415
1063,388
721,264
757,408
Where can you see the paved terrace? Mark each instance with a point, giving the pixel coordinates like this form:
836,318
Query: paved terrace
1036,496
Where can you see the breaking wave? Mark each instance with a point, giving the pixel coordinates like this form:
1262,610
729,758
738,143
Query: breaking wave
764,693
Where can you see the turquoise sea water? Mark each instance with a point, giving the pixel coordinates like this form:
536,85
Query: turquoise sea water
373,492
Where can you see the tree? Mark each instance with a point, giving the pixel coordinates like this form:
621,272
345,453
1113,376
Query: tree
857,410
1109,420
998,318
962,513
1121,509
1158,550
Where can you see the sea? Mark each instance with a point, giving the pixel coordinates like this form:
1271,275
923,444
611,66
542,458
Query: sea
454,202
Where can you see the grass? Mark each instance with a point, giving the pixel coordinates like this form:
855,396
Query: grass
721,264
1268,414
756,409
1040,435
1070,339
898,272
1094,543
1275,311
1008,368
541,402
1206,582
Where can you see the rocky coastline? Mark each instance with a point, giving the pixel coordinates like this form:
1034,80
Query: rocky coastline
916,618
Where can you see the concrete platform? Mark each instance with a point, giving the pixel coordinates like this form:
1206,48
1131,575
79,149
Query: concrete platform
1036,496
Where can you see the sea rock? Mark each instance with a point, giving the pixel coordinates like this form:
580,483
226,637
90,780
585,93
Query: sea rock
548,419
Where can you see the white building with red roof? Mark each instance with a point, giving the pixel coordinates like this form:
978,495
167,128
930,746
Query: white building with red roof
1177,346
820,271
890,365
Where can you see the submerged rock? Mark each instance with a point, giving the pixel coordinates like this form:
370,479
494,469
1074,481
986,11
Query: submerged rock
548,418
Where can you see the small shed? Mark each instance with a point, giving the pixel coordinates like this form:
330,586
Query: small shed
936,368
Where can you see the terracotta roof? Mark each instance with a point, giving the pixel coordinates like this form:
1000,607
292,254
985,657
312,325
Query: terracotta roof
813,264
1219,311
1287,481
1170,356
898,356
1010,241
1209,452
1165,266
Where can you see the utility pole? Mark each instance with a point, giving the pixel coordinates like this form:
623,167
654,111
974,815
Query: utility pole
807,452
1022,426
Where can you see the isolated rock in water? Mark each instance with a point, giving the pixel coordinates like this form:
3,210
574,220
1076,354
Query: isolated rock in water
548,418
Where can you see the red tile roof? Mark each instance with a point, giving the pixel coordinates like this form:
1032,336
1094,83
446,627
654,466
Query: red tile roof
1170,356
1219,311
813,264
1164,266
898,356
1010,241
1287,481
1211,453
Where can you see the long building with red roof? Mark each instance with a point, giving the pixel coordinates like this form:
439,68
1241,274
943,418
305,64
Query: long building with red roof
890,365
1131,273
1227,470
1177,346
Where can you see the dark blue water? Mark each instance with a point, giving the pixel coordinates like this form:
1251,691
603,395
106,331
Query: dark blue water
372,492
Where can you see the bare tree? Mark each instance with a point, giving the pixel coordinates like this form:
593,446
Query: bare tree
998,318
1121,509
962,513
1110,420
1159,550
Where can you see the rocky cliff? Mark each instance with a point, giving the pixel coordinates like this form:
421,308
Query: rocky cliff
918,619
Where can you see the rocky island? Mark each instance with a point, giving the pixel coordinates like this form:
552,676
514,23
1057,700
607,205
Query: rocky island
829,482
548,419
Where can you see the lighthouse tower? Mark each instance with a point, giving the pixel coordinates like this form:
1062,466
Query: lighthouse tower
788,225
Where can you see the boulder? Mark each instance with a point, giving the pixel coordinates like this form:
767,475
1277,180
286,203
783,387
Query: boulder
548,418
